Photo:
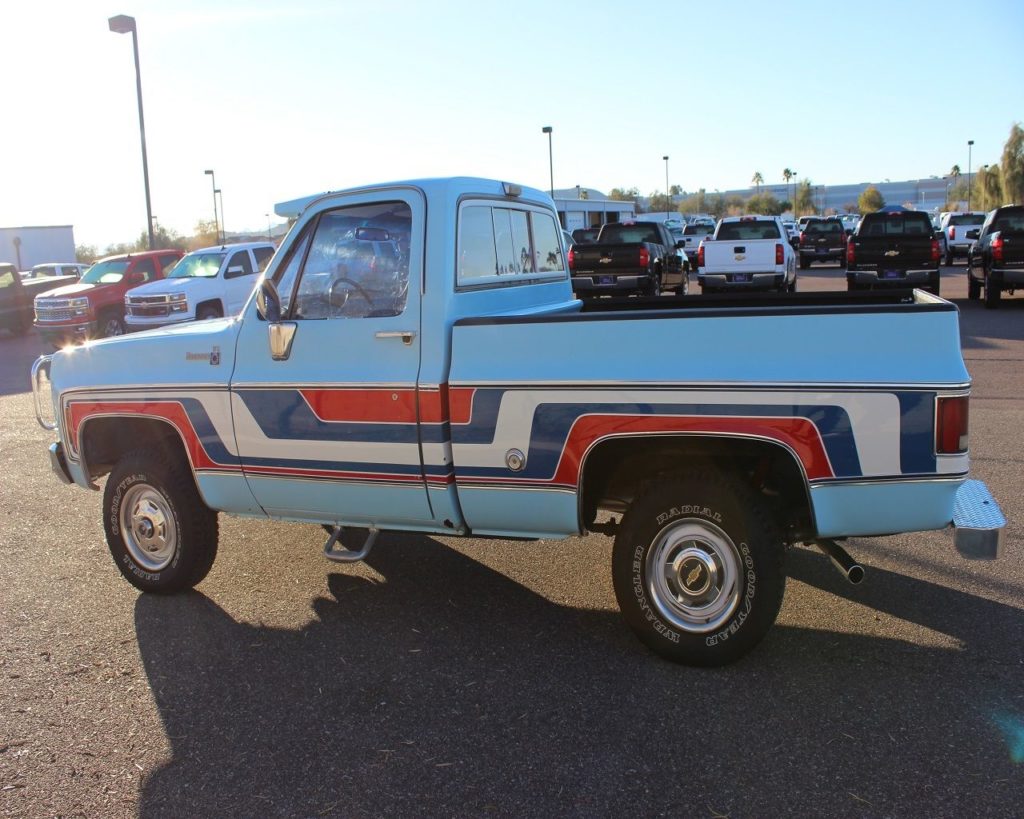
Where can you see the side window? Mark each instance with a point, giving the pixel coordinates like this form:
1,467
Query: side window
146,267
239,259
545,239
289,272
355,267
6,279
499,242
167,262
263,256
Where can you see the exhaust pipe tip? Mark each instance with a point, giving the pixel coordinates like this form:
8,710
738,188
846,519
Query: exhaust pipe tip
840,558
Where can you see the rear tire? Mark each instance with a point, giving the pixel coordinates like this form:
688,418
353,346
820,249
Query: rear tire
973,288
697,568
163,538
111,325
949,259
992,295
805,263
934,283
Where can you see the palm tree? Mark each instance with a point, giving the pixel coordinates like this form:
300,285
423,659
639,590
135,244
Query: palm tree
757,179
788,174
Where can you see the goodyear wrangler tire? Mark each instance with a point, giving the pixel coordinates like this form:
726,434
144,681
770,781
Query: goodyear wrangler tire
161,535
697,568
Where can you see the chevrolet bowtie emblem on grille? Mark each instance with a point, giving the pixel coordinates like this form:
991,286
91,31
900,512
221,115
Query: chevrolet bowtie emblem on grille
606,260
892,253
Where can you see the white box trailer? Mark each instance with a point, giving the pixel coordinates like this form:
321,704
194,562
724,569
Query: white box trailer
28,246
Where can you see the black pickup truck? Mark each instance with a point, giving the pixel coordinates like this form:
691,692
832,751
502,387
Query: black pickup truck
996,258
629,257
893,249
16,295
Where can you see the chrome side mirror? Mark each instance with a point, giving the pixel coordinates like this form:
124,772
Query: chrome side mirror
282,333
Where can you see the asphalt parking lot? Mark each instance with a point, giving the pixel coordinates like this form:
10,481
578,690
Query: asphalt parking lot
465,677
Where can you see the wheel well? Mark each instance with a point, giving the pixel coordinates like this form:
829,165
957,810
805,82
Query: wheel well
615,469
210,303
104,441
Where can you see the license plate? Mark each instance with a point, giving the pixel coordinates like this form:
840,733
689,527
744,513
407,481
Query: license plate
822,251
606,280
891,274
741,277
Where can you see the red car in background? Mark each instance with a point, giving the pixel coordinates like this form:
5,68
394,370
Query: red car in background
94,306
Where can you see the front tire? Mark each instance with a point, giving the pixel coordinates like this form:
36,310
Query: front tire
697,568
111,325
208,312
161,535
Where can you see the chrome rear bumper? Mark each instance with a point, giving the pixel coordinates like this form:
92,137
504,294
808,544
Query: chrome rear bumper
58,464
978,522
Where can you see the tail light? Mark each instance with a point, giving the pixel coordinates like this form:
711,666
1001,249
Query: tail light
571,259
952,232
935,250
802,240
851,255
645,257
997,248
700,255
779,257
951,425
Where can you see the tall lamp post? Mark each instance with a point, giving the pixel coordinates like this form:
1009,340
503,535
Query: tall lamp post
970,144
223,225
667,194
551,160
122,24
216,222
269,237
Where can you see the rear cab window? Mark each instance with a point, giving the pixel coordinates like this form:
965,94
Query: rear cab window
1009,222
967,219
911,223
625,233
823,228
506,244
748,230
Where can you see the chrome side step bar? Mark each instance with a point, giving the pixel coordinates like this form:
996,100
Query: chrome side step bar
343,555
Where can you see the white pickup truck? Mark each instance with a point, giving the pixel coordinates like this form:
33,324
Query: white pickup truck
747,253
207,283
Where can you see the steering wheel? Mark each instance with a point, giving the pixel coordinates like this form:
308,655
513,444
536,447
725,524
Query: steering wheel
358,288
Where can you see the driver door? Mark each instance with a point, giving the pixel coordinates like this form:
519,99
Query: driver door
330,433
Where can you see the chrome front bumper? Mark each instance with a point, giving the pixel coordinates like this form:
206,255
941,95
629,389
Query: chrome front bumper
978,522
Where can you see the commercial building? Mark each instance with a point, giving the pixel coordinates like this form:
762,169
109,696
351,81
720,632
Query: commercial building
28,246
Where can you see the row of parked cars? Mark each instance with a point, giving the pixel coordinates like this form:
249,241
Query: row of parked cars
136,291
894,247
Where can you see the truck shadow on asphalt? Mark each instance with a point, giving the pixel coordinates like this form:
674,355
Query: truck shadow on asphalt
979,327
450,689
16,356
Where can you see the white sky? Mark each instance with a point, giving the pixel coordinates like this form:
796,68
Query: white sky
293,97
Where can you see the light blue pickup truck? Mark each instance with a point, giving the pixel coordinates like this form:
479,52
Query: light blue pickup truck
415,360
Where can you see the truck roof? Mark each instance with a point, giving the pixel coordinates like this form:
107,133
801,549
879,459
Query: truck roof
456,185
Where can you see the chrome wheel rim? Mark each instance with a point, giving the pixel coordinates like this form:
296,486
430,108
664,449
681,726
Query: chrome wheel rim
112,328
148,526
694,576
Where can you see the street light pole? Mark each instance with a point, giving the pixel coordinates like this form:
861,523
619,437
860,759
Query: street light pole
970,144
122,24
667,194
216,223
223,224
551,161
269,237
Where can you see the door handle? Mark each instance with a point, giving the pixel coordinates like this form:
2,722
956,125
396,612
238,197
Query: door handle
406,335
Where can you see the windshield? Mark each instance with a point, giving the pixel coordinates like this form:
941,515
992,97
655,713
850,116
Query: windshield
748,229
197,266
110,272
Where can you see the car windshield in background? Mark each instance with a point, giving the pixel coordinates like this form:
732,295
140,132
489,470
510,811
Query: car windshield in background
197,266
967,219
759,229
698,230
896,224
824,228
628,234
106,272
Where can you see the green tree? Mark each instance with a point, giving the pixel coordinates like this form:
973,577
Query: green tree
624,194
765,204
870,200
789,174
86,253
803,199
695,203
676,190
757,180
1013,165
660,203
988,188
205,235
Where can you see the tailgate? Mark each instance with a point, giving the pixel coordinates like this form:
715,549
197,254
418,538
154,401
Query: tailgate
894,253
606,259
741,255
